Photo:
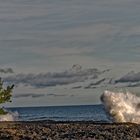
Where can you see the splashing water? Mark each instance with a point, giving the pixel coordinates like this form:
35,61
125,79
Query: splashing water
122,107
10,116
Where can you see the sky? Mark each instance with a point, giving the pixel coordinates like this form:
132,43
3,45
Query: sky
64,52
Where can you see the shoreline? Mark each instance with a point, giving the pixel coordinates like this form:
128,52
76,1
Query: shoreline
68,130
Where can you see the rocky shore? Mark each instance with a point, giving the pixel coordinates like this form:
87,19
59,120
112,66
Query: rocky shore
50,130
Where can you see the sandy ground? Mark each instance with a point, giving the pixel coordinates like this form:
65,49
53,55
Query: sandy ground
49,130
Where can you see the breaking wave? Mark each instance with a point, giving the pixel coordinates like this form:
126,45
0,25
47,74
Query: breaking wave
122,107
10,116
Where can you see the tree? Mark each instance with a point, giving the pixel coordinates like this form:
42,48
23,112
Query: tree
5,95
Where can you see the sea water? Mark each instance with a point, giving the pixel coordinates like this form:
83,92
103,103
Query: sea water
115,107
62,113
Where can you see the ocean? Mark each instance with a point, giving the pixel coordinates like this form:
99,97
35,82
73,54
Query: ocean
62,113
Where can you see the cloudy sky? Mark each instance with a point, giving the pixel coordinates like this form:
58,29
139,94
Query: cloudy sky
60,52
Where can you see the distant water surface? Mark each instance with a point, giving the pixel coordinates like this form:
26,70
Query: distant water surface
62,113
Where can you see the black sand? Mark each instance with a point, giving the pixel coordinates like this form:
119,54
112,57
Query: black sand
49,130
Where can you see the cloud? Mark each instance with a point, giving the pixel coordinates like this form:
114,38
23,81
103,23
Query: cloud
25,95
88,87
130,77
93,85
134,85
60,51
76,87
6,70
90,32
42,80
98,82
111,81
56,95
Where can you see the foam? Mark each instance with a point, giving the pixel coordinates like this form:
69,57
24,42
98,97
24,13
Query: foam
122,107
10,116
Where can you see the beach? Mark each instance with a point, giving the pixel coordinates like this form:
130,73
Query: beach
60,130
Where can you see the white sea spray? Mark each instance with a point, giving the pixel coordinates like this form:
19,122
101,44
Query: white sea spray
10,116
122,106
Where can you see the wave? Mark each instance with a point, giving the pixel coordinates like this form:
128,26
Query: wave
122,107
10,116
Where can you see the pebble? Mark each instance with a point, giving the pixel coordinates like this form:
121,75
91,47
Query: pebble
68,131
